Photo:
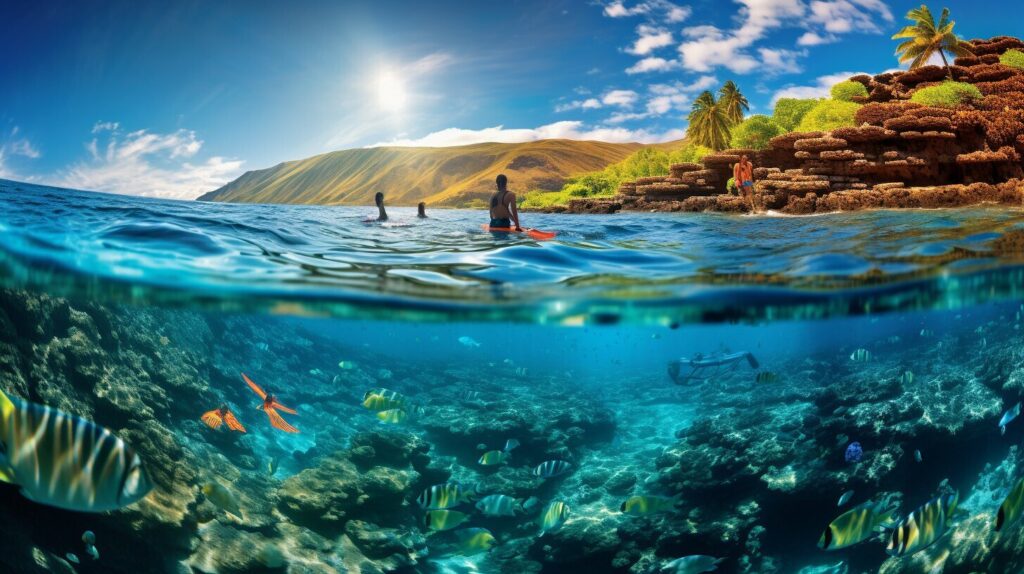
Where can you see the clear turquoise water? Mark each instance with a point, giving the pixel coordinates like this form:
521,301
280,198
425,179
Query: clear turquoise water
601,309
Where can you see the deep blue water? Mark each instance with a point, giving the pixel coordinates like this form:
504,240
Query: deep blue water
438,307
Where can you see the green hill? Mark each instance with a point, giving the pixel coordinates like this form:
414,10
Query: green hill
449,176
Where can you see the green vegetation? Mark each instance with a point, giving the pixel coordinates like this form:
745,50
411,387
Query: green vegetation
709,122
649,161
828,115
733,101
754,132
1012,58
947,94
846,91
924,38
789,111
730,186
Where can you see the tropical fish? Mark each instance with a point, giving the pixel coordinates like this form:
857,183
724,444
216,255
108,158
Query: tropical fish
553,516
923,526
444,519
907,378
1008,417
692,564
70,556
520,371
271,406
552,468
471,541
496,457
443,496
893,339
917,456
1010,509
316,372
767,377
530,502
857,525
470,395
222,415
845,498
392,416
468,342
92,552
346,365
65,461
647,504
927,333
222,498
498,505
89,538
860,356
384,374
854,452
262,346
272,465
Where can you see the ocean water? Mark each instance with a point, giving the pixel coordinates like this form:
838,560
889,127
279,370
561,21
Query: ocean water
899,331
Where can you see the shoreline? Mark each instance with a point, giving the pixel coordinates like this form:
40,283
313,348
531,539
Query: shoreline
900,154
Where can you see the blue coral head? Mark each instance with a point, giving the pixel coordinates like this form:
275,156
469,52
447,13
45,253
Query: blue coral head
854,452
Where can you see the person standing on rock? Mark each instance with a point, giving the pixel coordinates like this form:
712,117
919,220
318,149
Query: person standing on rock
743,177
503,206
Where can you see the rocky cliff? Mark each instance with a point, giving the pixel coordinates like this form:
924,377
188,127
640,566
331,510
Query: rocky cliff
900,154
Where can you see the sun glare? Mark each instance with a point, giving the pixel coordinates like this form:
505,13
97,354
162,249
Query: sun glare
391,95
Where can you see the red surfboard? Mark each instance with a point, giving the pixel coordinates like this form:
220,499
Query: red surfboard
533,233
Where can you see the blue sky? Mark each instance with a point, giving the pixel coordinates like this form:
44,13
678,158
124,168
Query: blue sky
176,98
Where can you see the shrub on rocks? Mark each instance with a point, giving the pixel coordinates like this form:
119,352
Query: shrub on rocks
848,90
789,111
828,115
1013,59
755,132
947,95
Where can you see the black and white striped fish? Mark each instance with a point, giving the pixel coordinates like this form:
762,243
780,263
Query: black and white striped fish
65,461
552,468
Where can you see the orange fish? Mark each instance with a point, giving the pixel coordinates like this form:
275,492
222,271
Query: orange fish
271,406
220,415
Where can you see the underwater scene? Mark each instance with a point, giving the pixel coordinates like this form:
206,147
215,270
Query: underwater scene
203,388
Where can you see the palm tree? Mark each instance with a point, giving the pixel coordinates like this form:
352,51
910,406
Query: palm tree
734,102
925,38
709,124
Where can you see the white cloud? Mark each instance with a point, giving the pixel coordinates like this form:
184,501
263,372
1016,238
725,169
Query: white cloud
587,104
660,10
574,130
650,38
105,127
14,145
148,164
821,88
780,60
430,63
708,47
653,64
621,98
815,39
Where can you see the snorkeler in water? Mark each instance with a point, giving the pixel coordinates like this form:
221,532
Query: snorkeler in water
701,367
379,200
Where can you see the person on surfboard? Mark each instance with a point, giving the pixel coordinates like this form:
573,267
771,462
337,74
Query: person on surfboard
503,206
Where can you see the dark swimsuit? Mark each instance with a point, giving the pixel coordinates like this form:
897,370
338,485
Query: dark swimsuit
500,221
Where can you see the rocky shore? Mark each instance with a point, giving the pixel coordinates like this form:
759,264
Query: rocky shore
900,154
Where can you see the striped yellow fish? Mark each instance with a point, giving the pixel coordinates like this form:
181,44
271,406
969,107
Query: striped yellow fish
1010,509
443,496
471,541
444,519
857,525
923,526
553,516
392,416
646,504
65,461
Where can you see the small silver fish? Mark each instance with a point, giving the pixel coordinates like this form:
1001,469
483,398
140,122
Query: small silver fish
695,564
1008,417
845,498
468,342
71,558
917,456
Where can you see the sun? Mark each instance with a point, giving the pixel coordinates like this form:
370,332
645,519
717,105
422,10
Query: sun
391,93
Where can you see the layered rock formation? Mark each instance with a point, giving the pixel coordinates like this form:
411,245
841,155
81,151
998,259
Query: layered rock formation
900,154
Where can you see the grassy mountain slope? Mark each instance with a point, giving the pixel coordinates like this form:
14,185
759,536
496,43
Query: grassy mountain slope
449,176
